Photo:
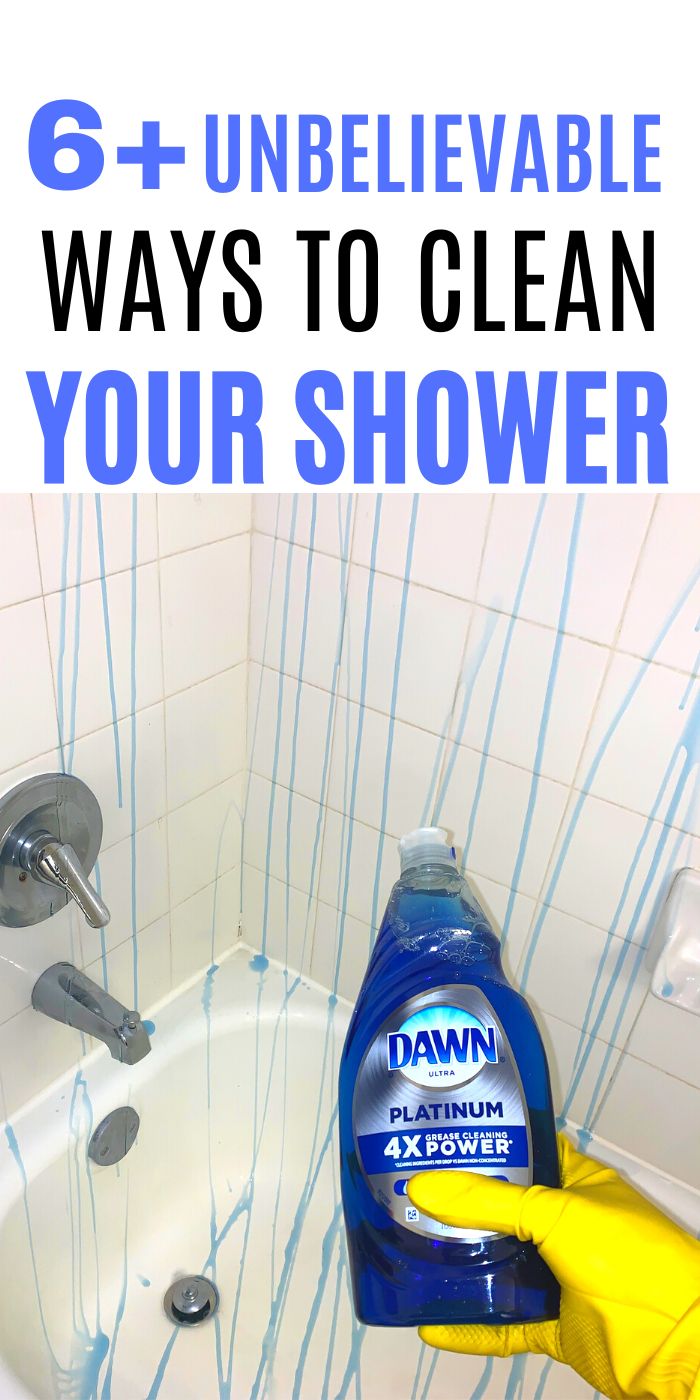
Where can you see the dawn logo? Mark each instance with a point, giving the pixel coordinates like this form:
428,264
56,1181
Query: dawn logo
441,1044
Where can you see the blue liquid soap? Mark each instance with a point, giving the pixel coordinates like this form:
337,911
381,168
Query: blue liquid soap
443,1067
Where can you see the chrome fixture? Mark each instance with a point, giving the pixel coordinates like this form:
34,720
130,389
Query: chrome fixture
50,834
114,1136
71,997
191,1300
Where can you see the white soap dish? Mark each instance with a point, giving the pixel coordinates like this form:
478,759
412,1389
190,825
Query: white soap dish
675,947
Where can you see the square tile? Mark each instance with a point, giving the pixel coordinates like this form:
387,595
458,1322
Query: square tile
29,711
414,756
26,953
103,761
206,926
195,518
450,533
431,655
561,1043
204,839
283,577
665,1135
280,916
205,611
84,537
154,980
296,719
494,900
121,871
49,762
612,531
326,519
275,818
358,869
206,734
19,565
99,655
639,714
487,812
34,1051
610,981
342,947
537,689
610,870
661,618
667,1037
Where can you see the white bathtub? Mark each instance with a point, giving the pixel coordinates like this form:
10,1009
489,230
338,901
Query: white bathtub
234,1174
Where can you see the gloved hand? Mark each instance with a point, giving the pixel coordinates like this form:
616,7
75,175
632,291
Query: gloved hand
630,1278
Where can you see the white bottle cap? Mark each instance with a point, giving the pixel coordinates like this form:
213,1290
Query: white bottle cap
426,844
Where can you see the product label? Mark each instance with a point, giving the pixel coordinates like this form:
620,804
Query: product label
438,1087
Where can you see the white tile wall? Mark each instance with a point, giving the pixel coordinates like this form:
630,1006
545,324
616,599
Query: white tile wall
566,767
133,677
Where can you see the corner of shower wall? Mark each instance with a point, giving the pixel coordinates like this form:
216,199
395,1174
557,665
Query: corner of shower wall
131,618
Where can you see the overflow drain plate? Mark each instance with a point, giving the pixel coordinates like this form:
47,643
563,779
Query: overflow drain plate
114,1136
191,1300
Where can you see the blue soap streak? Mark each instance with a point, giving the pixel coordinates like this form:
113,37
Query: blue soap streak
335,1309
500,677
358,738
392,703
132,762
62,627
483,1382
278,723
108,646
546,712
270,1338
330,718
288,870
256,722
76,636
14,1149
327,1248
600,752
516,1379
544,1375
419,1368
429,1378
690,743
470,675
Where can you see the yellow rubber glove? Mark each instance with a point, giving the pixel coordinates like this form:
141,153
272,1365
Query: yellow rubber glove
630,1278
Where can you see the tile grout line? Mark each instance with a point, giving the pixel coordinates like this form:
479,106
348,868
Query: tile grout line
482,874
140,710
45,592
568,786
477,602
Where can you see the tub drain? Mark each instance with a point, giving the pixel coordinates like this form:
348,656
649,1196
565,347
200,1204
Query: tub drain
191,1300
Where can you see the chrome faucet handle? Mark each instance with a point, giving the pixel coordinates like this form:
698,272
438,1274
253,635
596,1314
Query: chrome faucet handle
50,835
59,865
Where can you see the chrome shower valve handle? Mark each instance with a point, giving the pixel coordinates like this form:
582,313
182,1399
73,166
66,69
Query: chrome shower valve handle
50,835
59,865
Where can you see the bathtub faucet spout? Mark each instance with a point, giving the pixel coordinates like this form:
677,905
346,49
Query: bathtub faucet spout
67,995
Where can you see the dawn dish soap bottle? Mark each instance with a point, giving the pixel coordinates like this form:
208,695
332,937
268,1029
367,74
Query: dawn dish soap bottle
443,1067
